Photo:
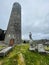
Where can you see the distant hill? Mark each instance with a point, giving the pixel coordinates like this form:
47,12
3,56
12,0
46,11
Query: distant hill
36,41
41,41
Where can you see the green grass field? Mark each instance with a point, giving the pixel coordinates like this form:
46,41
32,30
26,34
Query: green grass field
30,57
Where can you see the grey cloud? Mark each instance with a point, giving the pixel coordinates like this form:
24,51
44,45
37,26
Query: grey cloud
35,17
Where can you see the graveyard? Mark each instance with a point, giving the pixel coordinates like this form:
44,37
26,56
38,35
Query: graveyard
13,51
30,57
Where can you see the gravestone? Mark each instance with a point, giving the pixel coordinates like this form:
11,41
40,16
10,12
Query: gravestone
41,48
14,26
32,45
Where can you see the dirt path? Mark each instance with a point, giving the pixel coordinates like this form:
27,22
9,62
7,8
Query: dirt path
1,62
21,60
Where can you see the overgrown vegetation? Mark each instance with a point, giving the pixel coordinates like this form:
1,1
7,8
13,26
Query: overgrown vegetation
1,47
30,57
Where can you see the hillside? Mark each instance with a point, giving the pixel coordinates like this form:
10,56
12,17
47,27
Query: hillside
29,57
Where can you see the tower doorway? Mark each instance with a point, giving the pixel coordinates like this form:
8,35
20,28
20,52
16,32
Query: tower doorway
11,42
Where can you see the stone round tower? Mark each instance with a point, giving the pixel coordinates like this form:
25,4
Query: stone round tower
14,26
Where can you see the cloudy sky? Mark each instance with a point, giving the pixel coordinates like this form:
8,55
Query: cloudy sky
35,17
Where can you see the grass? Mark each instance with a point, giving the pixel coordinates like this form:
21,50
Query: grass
1,47
30,58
